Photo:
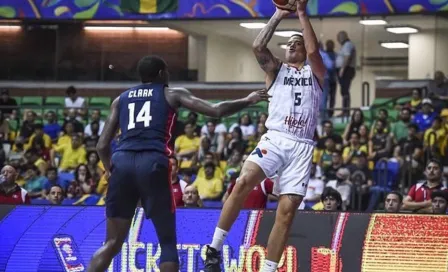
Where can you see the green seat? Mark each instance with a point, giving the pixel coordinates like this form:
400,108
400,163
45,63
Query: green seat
368,115
55,100
382,101
183,114
393,115
404,100
18,99
339,128
13,125
105,114
32,100
100,101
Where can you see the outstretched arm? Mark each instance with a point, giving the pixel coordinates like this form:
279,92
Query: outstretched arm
108,134
311,43
267,61
193,103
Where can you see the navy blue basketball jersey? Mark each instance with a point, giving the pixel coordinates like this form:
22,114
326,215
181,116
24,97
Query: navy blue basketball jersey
146,119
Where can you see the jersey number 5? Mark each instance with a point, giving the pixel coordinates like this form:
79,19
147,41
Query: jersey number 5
144,115
297,99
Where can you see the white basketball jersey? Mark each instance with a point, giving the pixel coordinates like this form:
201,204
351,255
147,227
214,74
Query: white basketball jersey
294,106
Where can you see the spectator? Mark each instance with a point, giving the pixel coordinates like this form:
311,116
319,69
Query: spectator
435,137
73,154
246,126
262,118
393,202
236,142
53,179
4,128
253,141
72,101
187,146
209,187
336,164
39,132
415,104
380,146
33,157
193,120
439,201
77,125
210,158
331,200
93,165
34,183
10,192
383,115
329,133
364,135
84,179
438,89
361,177
400,128
315,188
220,128
2,155
91,140
424,118
17,153
178,185
412,146
67,134
346,66
52,128
333,76
343,185
356,121
56,195
355,147
329,65
94,118
27,128
216,140
419,196
8,105
233,167
74,191
323,158
191,197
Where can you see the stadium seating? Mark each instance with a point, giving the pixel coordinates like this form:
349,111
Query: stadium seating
32,100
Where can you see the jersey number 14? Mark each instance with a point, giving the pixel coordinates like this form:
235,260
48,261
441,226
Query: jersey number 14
143,116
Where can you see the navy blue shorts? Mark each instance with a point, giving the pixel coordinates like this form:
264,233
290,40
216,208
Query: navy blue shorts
143,176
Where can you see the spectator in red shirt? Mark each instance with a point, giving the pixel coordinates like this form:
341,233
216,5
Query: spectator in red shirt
10,192
177,185
419,196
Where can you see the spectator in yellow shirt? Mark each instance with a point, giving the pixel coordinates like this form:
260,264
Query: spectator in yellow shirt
66,135
355,147
187,146
435,136
209,187
39,133
73,154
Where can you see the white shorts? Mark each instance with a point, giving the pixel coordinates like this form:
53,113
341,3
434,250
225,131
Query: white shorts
285,161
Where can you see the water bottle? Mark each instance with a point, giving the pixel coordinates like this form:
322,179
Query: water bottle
2,179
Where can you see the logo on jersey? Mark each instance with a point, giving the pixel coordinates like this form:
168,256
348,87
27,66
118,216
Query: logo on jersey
298,82
260,152
292,122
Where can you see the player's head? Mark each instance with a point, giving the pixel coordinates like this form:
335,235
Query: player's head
153,69
295,49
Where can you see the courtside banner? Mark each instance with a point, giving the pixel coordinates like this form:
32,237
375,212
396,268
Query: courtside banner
44,238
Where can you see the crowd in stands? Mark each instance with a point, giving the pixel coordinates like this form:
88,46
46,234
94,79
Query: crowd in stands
353,169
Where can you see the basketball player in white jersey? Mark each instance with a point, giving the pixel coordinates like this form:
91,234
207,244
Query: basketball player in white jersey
285,151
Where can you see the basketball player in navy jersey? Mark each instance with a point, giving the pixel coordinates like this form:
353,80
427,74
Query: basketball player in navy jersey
139,167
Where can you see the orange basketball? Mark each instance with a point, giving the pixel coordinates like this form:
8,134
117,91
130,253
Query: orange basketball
286,4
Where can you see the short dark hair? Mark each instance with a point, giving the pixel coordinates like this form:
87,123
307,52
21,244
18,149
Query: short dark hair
385,111
327,122
38,126
356,133
70,90
414,126
52,169
149,67
209,164
400,196
59,186
329,191
440,193
436,162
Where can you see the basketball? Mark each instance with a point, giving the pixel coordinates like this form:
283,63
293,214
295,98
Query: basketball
286,4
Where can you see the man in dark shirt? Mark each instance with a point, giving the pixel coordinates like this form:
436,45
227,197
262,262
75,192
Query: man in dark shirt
27,128
336,164
329,133
9,102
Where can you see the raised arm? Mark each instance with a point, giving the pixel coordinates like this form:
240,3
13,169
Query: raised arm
184,98
311,42
267,61
108,134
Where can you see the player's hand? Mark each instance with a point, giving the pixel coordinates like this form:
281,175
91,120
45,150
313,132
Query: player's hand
283,13
257,96
301,6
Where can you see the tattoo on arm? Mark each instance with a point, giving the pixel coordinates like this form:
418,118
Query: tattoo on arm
265,59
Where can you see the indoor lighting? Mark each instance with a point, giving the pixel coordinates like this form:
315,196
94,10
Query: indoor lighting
394,45
109,28
283,46
151,28
10,27
372,22
253,25
287,33
402,29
